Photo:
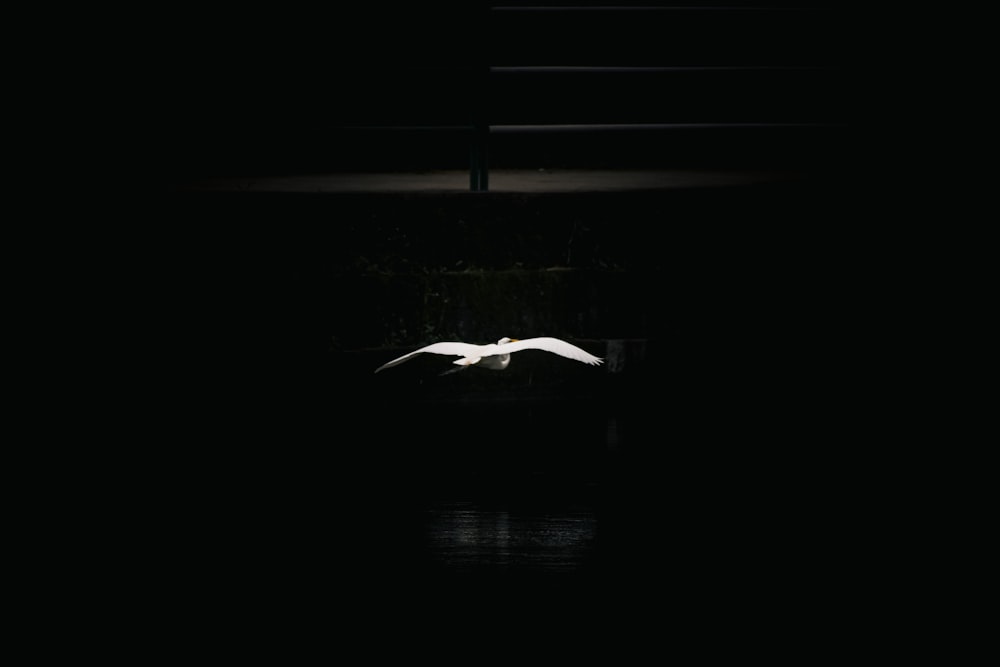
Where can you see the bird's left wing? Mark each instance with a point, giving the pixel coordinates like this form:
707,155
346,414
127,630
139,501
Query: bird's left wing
554,345
456,349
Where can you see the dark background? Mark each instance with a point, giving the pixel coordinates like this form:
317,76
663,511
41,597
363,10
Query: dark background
289,467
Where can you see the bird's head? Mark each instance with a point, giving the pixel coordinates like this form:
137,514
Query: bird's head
505,340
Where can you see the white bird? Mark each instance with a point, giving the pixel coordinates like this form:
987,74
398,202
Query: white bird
497,356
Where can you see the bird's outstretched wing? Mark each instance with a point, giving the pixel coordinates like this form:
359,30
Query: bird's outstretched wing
455,349
554,345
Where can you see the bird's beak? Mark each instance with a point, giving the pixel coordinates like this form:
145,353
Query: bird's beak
514,340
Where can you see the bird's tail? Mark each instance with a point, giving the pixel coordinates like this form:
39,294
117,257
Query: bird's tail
463,363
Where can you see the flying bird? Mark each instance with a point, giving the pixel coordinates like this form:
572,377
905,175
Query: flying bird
497,356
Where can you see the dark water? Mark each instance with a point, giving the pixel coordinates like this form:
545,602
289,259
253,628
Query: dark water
404,480
498,489
467,537
576,512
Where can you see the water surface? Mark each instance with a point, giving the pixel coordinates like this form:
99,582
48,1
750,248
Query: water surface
467,537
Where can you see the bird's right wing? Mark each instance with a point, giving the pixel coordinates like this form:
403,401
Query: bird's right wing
455,349
553,345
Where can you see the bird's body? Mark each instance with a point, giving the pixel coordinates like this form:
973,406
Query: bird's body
496,356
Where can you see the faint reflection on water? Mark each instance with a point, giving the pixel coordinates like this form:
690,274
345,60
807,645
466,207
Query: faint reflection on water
465,537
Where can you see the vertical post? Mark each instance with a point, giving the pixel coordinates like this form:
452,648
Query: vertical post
479,159
479,156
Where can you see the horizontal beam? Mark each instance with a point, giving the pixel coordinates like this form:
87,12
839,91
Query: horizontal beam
646,127
650,8
619,69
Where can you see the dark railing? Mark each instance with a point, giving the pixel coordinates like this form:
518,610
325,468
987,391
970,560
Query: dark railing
643,75
513,85
662,83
